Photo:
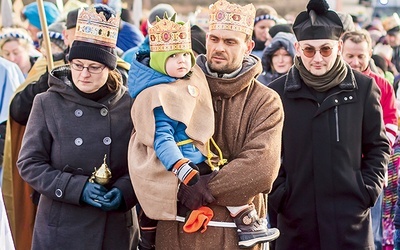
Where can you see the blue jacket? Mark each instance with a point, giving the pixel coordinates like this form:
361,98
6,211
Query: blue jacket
167,131
129,36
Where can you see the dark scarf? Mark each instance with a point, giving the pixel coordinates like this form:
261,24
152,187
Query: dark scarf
99,94
325,82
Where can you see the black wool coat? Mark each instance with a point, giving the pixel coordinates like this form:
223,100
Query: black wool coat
334,155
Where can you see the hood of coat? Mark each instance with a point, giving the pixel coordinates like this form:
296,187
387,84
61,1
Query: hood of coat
281,40
59,82
228,87
142,77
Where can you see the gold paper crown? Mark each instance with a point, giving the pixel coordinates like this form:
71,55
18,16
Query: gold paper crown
227,16
391,22
94,28
166,35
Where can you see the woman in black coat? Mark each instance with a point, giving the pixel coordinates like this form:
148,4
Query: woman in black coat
83,117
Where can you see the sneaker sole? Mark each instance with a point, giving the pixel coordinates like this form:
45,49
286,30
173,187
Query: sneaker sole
252,242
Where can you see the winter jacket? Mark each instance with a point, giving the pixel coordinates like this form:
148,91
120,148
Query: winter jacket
11,78
334,156
66,137
129,36
18,195
248,123
387,101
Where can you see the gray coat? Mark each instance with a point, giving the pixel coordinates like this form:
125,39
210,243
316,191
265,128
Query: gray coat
67,136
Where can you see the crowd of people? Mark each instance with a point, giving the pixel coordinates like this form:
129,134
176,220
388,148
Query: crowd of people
231,128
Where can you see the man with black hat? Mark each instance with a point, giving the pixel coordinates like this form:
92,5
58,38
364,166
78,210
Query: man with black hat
334,148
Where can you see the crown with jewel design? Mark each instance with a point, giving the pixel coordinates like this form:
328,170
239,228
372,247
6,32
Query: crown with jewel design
167,35
94,28
227,16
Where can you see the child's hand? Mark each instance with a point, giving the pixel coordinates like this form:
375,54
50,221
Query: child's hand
186,171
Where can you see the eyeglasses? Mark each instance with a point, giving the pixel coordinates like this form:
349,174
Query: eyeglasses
91,69
325,51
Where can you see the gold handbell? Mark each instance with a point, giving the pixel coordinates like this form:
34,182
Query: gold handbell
102,175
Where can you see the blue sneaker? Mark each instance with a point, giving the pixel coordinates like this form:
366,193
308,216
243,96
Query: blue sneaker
252,230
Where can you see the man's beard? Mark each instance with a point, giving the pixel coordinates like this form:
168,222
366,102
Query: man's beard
220,68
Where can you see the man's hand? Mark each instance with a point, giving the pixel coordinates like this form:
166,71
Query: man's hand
193,197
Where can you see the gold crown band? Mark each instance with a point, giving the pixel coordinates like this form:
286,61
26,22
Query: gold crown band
94,28
224,15
167,35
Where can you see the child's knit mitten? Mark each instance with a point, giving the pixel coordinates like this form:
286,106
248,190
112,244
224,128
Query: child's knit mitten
186,171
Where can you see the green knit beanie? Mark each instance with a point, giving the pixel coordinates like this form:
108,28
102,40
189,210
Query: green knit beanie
158,59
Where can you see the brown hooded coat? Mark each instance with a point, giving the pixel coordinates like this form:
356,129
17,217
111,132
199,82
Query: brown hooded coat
248,128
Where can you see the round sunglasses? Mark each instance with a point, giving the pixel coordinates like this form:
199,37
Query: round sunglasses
325,51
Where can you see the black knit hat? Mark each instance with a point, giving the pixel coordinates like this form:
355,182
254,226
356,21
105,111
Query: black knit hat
318,22
198,36
94,52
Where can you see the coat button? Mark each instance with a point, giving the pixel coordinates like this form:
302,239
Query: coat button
103,111
78,141
345,98
58,193
336,101
107,140
350,97
78,113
